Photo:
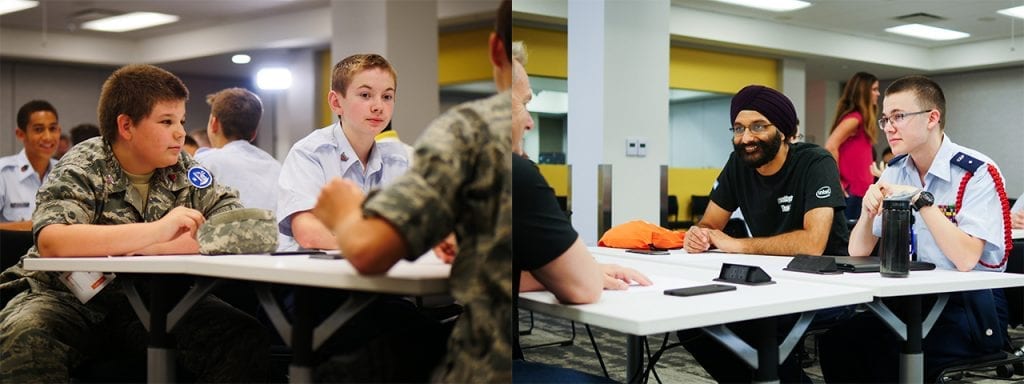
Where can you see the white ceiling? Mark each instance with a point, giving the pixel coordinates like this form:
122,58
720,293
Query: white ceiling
835,38
202,41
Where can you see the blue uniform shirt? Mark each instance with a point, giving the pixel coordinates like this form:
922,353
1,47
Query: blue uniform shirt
18,185
247,168
322,156
979,217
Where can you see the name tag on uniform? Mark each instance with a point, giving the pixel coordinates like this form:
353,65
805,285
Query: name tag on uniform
20,205
85,285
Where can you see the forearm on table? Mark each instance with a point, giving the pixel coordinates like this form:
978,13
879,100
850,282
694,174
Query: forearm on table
71,240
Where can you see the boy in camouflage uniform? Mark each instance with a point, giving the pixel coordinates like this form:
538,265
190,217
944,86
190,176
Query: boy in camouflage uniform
129,192
460,180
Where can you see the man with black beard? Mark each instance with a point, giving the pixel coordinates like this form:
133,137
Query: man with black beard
790,197
789,194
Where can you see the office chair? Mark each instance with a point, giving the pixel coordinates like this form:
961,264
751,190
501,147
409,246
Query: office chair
1009,362
672,217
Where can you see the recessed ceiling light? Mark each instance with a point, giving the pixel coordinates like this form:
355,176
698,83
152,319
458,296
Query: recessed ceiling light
11,6
241,59
130,22
1015,11
927,32
771,5
274,78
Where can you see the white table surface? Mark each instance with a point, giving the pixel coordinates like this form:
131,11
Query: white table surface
425,276
1018,234
917,282
646,310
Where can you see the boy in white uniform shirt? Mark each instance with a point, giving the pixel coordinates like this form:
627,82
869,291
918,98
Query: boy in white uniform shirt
234,118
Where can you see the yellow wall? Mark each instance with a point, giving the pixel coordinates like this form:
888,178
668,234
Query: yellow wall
557,175
682,182
688,68
547,51
719,72
323,85
462,57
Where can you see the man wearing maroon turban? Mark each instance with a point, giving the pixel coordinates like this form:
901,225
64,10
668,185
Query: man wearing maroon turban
790,197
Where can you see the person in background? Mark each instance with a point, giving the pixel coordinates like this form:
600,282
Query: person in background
83,132
22,174
363,89
877,168
234,119
63,146
191,146
461,182
129,193
853,137
547,253
201,137
956,194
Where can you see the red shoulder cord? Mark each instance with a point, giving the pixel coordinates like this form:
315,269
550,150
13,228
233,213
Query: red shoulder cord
1001,191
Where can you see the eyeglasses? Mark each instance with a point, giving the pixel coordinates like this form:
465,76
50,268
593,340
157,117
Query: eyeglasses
897,118
737,130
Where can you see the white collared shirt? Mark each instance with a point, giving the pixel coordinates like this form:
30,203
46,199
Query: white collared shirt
980,216
321,156
246,168
18,185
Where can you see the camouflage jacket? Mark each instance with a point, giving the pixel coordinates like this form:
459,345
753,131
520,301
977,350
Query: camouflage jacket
89,187
461,181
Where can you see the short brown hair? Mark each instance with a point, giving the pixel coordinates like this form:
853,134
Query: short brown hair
929,94
347,68
238,111
134,90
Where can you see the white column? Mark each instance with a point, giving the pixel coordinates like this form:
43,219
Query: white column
405,32
618,88
822,96
290,113
794,86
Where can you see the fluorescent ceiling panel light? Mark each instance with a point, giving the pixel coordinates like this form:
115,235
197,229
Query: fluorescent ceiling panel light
274,78
927,32
129,22
241,59
770,5
11,6
1017,12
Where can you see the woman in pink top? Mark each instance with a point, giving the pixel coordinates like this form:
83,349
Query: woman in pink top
853,136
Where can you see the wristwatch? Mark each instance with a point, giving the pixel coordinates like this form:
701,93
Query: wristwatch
924,199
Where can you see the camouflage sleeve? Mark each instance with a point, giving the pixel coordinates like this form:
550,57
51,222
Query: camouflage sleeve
421,203
216,198
70,195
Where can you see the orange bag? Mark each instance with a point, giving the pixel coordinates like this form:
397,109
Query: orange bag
639,234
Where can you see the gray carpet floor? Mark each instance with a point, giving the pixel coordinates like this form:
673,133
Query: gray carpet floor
675,366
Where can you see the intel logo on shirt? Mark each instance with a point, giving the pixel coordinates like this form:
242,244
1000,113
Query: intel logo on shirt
823,192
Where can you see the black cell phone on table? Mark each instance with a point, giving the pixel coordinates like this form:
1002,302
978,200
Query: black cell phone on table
700,290
648,251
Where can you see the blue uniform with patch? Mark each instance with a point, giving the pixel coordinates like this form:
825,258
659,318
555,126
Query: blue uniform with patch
18,185
321,156
974,323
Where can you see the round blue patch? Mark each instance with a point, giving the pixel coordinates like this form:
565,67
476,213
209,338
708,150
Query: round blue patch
200,177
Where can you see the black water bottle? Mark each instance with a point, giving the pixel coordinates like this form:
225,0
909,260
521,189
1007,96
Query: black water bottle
897,220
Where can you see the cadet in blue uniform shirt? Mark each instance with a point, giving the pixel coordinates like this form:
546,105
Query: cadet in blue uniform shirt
21,175
362,95
958,225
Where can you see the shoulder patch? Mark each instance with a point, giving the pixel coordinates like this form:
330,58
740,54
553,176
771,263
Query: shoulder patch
896,159
199,177
966,162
